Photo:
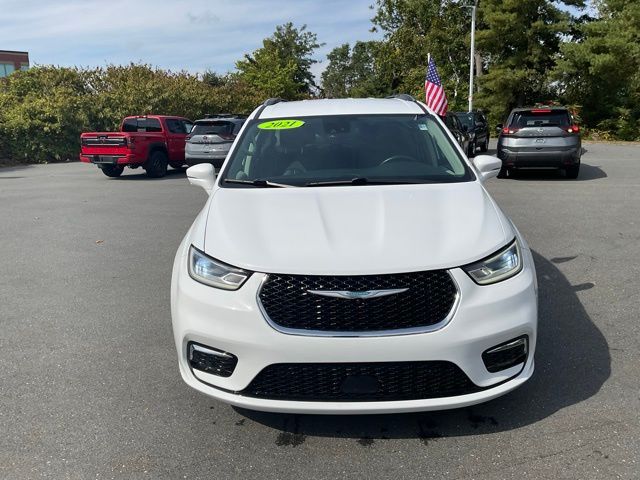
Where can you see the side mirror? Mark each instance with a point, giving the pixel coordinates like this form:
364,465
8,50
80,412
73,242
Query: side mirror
499,128
202,175
488,166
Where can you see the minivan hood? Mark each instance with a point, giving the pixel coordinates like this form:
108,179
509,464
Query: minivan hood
350,230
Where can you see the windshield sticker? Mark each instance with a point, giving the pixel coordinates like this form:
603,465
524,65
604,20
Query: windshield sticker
280,124
422,126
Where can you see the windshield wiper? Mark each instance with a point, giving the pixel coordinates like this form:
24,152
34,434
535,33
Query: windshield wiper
259,183
358,181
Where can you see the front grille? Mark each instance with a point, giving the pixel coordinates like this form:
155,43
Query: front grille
352,382
429,298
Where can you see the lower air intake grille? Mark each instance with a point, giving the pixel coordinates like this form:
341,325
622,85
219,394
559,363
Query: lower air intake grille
353,382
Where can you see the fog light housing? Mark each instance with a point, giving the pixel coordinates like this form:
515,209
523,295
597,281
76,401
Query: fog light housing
210,360
507,354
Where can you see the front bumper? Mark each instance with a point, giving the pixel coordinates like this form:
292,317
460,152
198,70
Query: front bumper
232,322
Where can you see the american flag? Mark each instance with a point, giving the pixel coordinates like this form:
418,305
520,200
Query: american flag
436,98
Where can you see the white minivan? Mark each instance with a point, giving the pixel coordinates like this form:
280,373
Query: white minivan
350,260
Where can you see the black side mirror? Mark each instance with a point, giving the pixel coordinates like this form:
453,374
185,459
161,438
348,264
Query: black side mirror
499,128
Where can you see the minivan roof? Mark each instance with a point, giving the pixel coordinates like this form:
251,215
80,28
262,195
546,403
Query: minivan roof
343,106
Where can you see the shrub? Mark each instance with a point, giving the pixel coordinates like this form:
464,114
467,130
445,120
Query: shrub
43,110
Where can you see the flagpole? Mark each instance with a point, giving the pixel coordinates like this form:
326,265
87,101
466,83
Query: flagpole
428,62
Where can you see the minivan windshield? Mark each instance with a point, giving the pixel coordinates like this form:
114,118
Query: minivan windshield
344,149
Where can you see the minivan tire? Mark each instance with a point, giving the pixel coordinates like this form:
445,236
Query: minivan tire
157,164
112,170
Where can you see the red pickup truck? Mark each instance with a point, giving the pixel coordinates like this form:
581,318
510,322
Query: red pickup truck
152,142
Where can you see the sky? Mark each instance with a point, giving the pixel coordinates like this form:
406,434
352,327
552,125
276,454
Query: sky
192,35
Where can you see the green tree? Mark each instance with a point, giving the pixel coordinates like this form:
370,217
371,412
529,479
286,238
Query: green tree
353,72
414,28
282,66
42,113
519,42
601,71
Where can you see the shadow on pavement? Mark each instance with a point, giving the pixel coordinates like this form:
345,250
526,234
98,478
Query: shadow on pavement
142,175
13,168
587,172
572,364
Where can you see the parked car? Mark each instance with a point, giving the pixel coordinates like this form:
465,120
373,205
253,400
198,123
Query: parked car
459,132
540,137
211,138
350,260
152,142
476,125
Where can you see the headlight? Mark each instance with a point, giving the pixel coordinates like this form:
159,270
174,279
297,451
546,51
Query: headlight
205,269
499,266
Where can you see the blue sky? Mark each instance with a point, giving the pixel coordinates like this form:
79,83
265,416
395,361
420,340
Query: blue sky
193,35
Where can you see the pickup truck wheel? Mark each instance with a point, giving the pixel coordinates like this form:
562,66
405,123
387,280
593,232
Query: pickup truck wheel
112,170
157,165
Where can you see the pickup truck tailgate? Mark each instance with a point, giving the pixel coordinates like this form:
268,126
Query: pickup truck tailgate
104,143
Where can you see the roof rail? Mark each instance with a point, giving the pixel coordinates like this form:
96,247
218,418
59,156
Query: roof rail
408,98
272,101
268,102
403,96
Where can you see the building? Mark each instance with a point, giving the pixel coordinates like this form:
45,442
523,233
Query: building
11,61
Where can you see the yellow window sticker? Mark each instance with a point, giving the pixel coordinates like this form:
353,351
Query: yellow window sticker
280,124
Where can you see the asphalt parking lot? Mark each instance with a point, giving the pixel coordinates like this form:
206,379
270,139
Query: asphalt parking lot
89,380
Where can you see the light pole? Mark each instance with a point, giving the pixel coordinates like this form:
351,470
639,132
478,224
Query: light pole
473,48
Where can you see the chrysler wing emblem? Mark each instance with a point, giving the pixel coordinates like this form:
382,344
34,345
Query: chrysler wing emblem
365,295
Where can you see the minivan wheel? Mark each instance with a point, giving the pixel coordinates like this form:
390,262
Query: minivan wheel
572,171
157,164
112,170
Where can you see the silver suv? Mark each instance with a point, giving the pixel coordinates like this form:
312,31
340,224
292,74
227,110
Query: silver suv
210,139
540,137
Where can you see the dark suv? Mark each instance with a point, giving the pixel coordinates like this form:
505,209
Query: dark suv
540,137
458,131
477,127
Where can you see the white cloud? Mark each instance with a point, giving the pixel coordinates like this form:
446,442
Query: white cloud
193,35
